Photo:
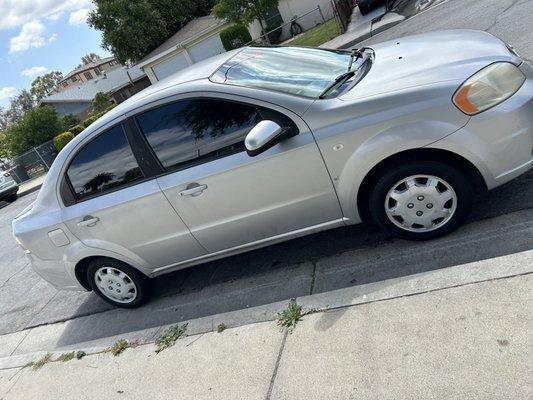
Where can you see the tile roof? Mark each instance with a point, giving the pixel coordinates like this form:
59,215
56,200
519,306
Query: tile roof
110,82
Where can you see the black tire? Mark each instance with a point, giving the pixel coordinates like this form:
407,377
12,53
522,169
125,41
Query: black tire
458,182
364,7
144,285
12,197
296,29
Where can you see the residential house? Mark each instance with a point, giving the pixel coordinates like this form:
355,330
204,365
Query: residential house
120,83
87,72
198,40
306,11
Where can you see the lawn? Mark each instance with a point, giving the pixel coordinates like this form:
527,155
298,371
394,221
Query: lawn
318,35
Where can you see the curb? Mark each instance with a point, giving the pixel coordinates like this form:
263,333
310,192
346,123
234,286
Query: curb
30,190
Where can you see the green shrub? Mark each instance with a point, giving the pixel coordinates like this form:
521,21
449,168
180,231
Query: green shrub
62,139
68,121
76,130
89,121
113,105
235,36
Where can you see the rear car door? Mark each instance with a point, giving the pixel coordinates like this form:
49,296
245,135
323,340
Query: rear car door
225,197
112,206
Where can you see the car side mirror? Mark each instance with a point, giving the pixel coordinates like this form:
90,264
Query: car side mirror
263,136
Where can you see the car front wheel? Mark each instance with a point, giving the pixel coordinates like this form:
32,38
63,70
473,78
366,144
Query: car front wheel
422,200
118,283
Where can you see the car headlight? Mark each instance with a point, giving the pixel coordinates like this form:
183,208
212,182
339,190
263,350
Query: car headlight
489,87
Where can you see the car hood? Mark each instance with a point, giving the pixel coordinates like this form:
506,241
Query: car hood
428,59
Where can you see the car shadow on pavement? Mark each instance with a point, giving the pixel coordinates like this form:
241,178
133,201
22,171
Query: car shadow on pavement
336,259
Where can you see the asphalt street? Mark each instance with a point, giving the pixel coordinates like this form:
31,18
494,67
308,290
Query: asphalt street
501,224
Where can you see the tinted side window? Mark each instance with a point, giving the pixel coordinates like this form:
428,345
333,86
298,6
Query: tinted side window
191,132
104,164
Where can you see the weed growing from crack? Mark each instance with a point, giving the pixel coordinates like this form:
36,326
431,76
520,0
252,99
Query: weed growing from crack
35,365
72,355
289,317
121,345
169,337
221,327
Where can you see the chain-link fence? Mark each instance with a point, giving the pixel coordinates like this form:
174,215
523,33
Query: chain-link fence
31,164
278,31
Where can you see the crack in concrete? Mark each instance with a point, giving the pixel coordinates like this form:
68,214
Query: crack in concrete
276,366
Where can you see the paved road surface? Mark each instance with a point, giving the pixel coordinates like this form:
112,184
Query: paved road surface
501,224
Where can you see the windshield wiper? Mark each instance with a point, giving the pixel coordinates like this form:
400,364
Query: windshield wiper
338,80
356,54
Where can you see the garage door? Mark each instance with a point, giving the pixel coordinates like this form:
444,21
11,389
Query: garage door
206,48
169,66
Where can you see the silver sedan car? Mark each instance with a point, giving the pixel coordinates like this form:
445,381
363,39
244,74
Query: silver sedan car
261,145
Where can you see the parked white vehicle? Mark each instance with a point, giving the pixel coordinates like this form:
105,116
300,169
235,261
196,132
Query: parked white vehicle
261,145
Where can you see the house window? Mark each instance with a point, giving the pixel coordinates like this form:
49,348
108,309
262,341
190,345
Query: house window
97,71
74,79
88,75
65,84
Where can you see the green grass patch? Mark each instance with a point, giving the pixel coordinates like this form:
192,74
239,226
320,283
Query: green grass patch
318,35
289,317
169,337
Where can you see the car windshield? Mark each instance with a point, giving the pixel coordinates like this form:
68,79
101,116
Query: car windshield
297,70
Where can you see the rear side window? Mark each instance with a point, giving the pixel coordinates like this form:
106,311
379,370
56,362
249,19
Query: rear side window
191,132
104,164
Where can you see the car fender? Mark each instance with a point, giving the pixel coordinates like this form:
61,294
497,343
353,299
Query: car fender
378,148
79,251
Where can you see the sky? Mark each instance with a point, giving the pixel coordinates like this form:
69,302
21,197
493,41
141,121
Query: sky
38,36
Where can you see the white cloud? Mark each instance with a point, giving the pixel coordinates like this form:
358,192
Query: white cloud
31,35
52,38
78,17
54,17
15,13
7,92
34,71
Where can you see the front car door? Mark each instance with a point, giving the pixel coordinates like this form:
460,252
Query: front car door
225,197
112,206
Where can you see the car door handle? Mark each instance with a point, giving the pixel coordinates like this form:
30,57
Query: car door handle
88,221
194,189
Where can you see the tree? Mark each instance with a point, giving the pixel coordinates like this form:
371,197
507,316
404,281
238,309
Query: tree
34,128
43,85
18,105
244,11
89,58
131,29
100,102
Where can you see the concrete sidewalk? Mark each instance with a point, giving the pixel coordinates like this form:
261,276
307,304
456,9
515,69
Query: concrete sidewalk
474,341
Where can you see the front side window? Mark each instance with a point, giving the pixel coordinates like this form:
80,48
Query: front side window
190,132
104,164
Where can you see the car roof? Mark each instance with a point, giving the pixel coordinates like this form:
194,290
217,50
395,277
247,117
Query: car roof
197,71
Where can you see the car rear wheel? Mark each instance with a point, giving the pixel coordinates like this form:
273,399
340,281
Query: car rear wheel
118,283
422,200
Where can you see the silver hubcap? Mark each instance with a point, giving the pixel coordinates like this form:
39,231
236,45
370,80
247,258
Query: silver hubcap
115,285
421,203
